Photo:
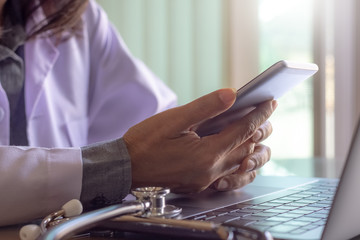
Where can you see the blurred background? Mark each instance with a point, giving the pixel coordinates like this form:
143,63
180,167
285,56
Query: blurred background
197,46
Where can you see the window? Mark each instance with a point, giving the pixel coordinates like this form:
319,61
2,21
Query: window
286,32
180,40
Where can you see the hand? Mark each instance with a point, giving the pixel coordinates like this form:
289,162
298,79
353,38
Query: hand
165,152
245,172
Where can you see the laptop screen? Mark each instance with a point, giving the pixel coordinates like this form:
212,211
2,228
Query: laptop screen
344,218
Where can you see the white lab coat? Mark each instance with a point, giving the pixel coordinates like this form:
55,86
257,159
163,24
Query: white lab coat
84,90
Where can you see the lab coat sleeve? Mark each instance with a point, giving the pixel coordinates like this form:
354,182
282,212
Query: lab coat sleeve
37,181
106,174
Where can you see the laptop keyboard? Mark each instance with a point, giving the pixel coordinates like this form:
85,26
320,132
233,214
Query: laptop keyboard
304,208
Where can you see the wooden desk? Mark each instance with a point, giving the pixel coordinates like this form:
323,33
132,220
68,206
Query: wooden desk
10,233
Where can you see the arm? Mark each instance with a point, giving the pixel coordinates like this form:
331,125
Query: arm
36,181
113,93
122,92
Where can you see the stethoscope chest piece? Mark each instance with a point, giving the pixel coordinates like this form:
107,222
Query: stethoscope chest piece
156,196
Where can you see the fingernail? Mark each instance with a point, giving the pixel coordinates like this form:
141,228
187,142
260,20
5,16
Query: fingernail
257,136
227,96
223,185
250,166
274,104
234,168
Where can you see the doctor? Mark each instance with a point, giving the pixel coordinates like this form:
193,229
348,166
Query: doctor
70,92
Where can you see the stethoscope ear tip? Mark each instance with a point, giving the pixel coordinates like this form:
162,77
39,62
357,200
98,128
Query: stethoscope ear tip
72,208
30,232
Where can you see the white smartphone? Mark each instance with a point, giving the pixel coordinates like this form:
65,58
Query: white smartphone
273,83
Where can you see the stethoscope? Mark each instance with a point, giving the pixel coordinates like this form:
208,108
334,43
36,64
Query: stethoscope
149,208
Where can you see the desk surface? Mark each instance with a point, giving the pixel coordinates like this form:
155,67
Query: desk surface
10,233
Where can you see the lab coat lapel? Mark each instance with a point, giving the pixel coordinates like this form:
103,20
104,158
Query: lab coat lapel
40,57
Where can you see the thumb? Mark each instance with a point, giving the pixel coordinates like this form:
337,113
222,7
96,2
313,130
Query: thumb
203,108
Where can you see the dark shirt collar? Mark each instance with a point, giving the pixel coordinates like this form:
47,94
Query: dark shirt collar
13,29
13,36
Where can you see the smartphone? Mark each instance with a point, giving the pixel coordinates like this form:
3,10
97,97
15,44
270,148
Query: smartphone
273,83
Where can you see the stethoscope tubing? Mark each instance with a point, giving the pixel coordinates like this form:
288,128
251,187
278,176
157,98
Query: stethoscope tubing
90,219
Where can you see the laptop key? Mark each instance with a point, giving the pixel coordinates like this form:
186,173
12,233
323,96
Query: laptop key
211,214
283,228
248,210
297,223
201,217
270,204
307,201
265,214
311,227
281,201
288,208
296,204
307,219
240,222
224,219
223,213
267,223
317,198
209,218
312,192
317,215
279,219
313,209
318,205
252,217
258,207
301,195
298,231
290,215
276,211
322,222
324,211
301,211
238,214
262,228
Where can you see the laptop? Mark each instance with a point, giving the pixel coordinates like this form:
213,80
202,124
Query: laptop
287,207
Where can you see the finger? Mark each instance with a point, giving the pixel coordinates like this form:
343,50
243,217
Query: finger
233,159
243,164
257,159
177,120
263,132
234,181
203,108
240,131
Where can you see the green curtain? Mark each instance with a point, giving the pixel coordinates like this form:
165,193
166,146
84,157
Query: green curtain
180,40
